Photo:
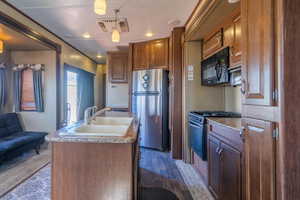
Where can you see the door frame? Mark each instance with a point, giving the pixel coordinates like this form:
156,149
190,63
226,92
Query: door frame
30,33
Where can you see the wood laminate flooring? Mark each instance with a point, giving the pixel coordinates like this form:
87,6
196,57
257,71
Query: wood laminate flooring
158,170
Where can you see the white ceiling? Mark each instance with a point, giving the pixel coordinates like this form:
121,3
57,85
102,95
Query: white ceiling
70,19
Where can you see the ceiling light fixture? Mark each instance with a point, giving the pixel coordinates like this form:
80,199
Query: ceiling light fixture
1,46
100,7
115,36
99,56
86,35
149,34
233,1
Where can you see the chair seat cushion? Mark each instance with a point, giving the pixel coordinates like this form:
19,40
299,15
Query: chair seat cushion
18,139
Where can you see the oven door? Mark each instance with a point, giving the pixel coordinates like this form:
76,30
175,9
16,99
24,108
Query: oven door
197,133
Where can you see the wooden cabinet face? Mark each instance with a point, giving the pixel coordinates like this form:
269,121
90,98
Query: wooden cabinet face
236,54
212,45
231,173
228,35
140,56
159,53
259,160
214,166
118,68
258,52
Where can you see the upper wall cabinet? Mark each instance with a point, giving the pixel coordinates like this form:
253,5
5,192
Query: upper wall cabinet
140,56
212,44
151,55
158,53
232,39
118,67
258,51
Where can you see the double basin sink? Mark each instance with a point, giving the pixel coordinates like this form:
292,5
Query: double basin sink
102,126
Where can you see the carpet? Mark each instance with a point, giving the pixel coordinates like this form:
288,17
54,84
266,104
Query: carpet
16,171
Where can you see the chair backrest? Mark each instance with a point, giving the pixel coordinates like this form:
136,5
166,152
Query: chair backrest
9,124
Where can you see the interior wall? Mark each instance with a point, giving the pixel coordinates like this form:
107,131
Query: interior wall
45,121
233,99
196,96
116,94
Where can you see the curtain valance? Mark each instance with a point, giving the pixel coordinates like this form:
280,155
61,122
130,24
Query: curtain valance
34,67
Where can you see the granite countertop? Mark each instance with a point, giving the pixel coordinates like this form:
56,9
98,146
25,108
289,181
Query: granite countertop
130,137
235,123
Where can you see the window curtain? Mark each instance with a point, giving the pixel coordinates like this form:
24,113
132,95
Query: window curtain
85,89
38,87
37,84
85,92
17,88
2,87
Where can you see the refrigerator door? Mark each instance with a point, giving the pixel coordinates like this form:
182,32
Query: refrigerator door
148,107
147,81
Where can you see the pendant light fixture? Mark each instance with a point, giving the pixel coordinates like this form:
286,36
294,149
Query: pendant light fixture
100,7
1,46
115,36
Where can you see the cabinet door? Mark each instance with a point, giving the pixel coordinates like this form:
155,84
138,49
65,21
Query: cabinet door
259,159
258,51
140,56
236,52
159,54
231,173
228,35
214,166
212,45
118,68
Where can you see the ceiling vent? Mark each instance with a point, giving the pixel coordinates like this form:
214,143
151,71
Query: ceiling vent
107,24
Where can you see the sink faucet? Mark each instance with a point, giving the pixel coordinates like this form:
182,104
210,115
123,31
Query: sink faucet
89,114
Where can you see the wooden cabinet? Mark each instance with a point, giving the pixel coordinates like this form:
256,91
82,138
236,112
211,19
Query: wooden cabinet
258,51
158,54
151,55
259,159
236,50
225,162
232,39
118,67
140,56
212,44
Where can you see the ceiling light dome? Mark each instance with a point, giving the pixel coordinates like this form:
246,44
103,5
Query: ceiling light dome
100,7
233,1
115,37
1,46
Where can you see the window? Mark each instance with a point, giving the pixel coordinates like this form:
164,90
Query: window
27,92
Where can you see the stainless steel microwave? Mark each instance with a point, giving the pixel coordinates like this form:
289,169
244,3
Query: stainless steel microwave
214,70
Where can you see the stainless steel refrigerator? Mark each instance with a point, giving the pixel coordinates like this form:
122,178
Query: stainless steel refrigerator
150,104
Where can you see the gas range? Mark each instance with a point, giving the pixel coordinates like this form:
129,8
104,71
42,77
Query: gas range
199,116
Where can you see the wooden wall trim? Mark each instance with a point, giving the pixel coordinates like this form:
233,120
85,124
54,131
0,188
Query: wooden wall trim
290,95
130,69
45,28
199,15
176,71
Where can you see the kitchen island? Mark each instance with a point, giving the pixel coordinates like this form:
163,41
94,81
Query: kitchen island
94,167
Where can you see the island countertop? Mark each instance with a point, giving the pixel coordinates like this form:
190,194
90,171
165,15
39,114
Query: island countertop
130,136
